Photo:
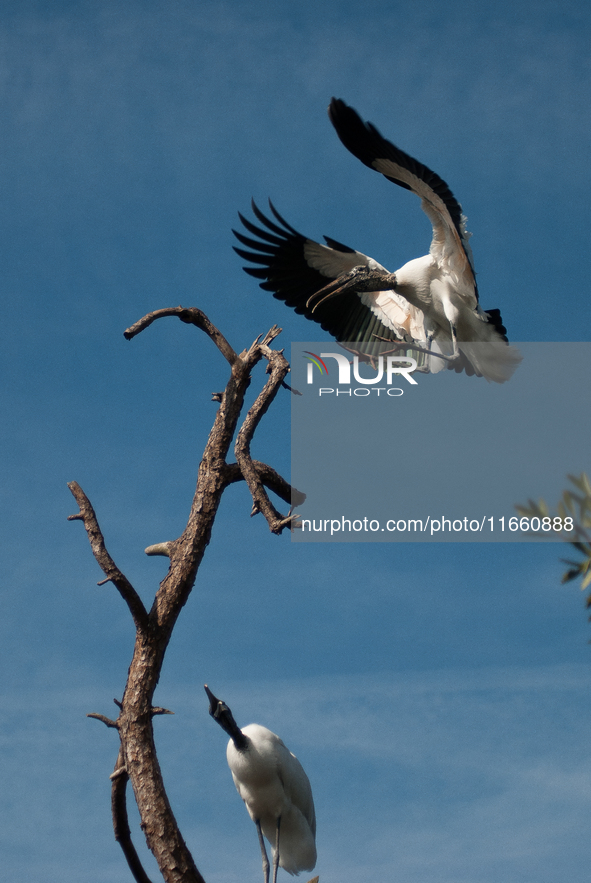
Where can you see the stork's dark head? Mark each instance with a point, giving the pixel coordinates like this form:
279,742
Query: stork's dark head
222,714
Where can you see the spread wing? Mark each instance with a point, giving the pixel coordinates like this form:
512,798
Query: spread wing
449,247
294,268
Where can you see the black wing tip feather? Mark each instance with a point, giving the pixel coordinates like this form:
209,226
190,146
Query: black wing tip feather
366,142
352,130
269,224
341,113
284,271
496,320
338,246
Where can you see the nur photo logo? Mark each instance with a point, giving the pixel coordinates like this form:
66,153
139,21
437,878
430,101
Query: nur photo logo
386,369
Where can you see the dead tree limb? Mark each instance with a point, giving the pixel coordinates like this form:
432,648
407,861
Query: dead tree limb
121,827
138,759
106,563
278,368
271,479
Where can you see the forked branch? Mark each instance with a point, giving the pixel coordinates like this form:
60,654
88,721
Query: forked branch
104,560
278,368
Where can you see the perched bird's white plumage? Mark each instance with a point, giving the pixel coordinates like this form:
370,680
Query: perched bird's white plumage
430,303
276,791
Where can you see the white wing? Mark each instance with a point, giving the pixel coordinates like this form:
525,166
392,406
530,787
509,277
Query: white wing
449,247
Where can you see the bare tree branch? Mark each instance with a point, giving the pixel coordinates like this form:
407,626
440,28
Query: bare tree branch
141,762
138,759
279,367
191,316
104,560
159,549
270,478
105,720
121,821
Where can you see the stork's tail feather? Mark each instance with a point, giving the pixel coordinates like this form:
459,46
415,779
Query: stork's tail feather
482,341
297,850
494,360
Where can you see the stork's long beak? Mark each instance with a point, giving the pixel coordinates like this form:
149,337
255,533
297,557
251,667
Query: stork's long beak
220,711
223,716
360,278
213,701
333,289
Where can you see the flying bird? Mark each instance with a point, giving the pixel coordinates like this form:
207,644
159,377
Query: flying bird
429,306
276,791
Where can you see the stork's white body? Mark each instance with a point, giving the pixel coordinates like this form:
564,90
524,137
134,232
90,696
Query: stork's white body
447,303
275,789
273,785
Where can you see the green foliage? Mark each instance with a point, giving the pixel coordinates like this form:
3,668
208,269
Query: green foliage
575,504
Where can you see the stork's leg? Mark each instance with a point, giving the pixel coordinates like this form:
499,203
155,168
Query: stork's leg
276,853
430,337
263,853
454,340
412,347
426,368
451,314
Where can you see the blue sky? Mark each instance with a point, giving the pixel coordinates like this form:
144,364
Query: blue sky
438,696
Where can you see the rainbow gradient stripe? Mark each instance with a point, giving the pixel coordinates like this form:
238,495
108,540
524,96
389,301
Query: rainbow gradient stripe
316,360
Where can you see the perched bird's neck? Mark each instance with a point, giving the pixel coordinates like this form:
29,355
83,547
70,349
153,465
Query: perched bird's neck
240,741
224,717
226,721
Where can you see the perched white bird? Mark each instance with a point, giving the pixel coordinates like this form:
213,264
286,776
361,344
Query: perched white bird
430,303
276,791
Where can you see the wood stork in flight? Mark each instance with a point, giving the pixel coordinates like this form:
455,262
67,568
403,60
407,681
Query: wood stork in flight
430,303
276,791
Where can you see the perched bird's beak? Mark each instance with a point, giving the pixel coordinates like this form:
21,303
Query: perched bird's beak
217,708
223,716
214,702
220,711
